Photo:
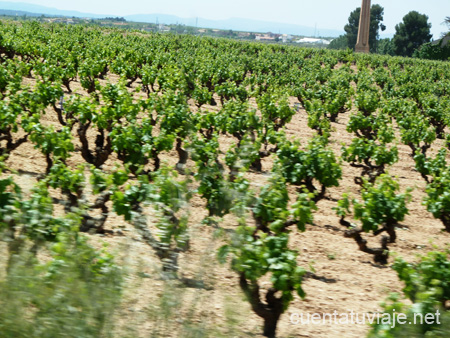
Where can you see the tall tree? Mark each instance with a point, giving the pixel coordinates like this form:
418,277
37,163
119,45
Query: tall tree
447,22
385,47
376,18
338,43
410,34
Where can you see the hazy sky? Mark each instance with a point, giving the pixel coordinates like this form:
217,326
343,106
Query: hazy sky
331,14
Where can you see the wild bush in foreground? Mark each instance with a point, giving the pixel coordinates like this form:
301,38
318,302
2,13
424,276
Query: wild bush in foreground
427,286
74,294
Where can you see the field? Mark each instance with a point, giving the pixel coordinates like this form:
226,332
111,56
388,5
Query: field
216,172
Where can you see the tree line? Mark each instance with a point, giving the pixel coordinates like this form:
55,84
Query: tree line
412,36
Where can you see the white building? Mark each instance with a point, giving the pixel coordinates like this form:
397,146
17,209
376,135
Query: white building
314,41
287,38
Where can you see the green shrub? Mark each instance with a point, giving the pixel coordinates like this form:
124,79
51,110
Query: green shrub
427,286
72,295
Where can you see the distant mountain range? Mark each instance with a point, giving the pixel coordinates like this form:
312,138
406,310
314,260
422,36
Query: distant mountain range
237,24
36,10
15,13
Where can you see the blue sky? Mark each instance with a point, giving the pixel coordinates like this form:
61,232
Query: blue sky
332,14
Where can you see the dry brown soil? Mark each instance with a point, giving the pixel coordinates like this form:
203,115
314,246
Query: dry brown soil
153,307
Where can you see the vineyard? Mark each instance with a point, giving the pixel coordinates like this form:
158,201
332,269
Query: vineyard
175,186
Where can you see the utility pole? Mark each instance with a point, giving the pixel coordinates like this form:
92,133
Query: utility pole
362,44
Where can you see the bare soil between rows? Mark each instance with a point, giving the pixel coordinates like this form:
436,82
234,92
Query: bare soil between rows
351,282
